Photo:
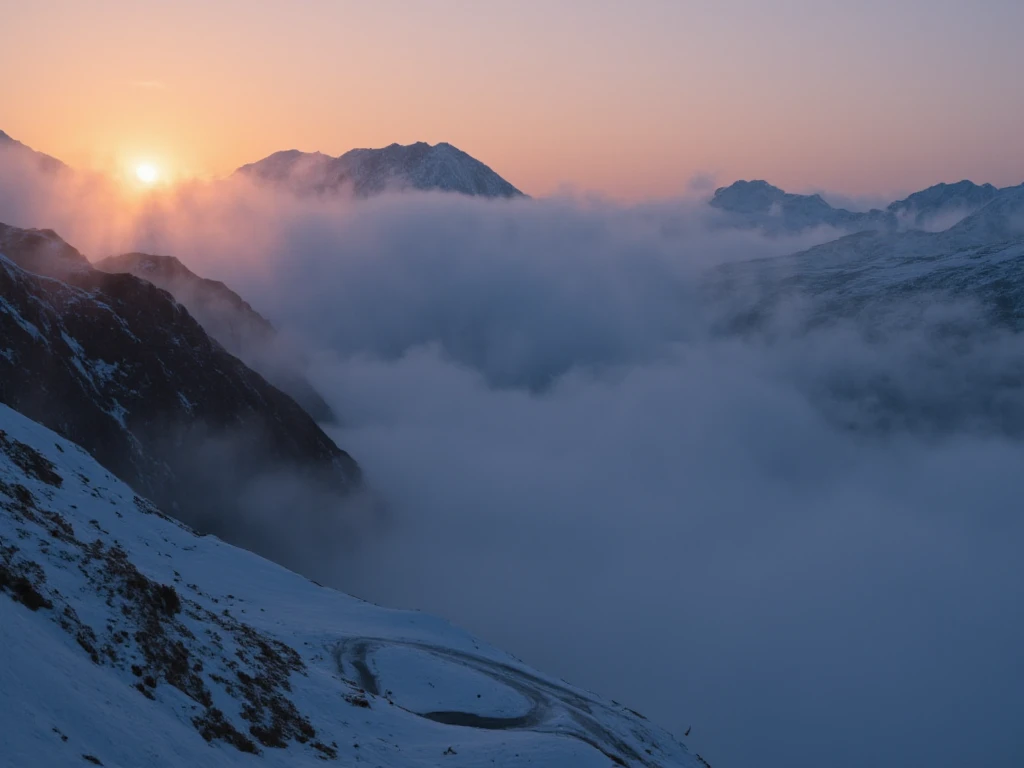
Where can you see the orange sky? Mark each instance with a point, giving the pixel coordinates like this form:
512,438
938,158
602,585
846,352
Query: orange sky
625,99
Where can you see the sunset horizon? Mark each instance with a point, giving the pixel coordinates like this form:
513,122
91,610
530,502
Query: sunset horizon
630,104
152,167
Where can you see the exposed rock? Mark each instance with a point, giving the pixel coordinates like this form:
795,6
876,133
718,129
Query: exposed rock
230,320
117,365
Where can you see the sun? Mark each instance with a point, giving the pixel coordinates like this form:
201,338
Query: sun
147,173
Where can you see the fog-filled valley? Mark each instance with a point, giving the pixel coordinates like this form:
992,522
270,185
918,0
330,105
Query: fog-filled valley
769,497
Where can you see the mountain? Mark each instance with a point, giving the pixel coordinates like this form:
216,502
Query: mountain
980,258
759,204
935,297
938,207
117,365
999,220
37,159
369,172
230,320
129,640
42,251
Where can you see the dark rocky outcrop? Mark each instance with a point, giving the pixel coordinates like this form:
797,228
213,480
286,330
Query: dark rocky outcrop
118,366
229,319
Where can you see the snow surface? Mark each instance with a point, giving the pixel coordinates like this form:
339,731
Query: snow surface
126,635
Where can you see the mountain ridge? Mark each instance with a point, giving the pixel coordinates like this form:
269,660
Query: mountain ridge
44,162
231,320
117,365
760,204
369,172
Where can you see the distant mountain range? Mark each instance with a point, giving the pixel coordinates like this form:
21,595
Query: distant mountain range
942,295
758,204
369,172
442,167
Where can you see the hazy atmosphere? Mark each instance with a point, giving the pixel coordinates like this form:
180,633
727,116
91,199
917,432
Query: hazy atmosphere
746,461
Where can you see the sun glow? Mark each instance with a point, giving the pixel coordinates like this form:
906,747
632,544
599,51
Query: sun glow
147,173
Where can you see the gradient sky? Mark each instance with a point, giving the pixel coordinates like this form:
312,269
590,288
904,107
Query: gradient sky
628,99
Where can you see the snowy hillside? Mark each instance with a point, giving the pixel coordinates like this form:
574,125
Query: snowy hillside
938,207
944,296
368,172
129,640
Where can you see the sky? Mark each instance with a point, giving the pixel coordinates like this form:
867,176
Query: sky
629,101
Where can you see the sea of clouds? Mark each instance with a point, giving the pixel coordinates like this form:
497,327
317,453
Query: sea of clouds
579,464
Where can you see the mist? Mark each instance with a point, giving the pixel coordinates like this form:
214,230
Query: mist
579,466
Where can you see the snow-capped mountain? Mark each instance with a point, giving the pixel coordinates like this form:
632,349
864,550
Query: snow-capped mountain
1000,220
940,206
981,258
230,320
761,205
129,640
954,289
758,204
368,172
117,365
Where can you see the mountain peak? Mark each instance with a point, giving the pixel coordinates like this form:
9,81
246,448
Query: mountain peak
368,172
41,251
758,196
758,187
760,204
941,205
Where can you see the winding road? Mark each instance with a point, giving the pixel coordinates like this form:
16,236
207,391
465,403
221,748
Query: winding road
553,708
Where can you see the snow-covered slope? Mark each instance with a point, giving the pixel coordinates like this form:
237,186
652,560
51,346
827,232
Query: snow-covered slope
981,258
940,297
940,206
368,172
128,640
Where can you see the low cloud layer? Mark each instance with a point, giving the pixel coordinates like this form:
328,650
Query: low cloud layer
581,467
